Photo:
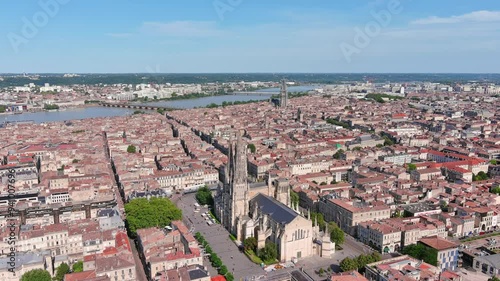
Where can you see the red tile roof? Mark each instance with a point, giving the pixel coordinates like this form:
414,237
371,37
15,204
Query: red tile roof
218,278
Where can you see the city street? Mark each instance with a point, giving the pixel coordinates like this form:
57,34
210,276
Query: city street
218,238
141,275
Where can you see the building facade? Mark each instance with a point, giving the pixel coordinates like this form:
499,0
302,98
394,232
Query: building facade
447,252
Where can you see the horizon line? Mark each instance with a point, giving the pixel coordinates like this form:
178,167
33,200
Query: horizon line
272,73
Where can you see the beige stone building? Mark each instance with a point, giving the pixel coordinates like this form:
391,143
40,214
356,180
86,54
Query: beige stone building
391,235
165,249
348,214
385,238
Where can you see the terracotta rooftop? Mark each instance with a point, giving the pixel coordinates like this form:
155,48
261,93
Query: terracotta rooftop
438,243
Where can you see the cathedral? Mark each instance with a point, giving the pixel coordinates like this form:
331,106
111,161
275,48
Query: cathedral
264,211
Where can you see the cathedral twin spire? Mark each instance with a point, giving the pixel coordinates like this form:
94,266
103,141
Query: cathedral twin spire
236,171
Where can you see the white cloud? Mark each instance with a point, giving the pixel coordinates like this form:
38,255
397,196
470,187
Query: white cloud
182,28
477,16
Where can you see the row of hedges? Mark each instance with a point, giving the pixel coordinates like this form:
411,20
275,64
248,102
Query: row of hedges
214,258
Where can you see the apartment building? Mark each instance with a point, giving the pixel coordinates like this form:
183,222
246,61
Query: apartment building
391,235
425,174
401,268
309,166
365,141
187,179
259,168
24,263
116,262
462,226
348,214
484,219
385,238
398,159
447,252
169,248
187,273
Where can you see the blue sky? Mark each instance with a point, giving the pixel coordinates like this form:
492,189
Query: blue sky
250,36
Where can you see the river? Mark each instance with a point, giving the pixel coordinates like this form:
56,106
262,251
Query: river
94,112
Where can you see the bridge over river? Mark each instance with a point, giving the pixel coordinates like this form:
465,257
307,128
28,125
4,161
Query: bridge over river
254,93
137,106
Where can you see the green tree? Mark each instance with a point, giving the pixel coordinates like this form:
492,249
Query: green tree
294,197
338,154
319,219
336,234
216,261
252,147
494,278
338,123
78,267
496,190
412,167
3,108
131,149
493,162
250,244
198,236
421,252
208,249
376,257
398,214
269,253
50,106
223,270
204,196
388,141
61,270
144,213
363,260
482,175
348,264
229,277
321,272
36,275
